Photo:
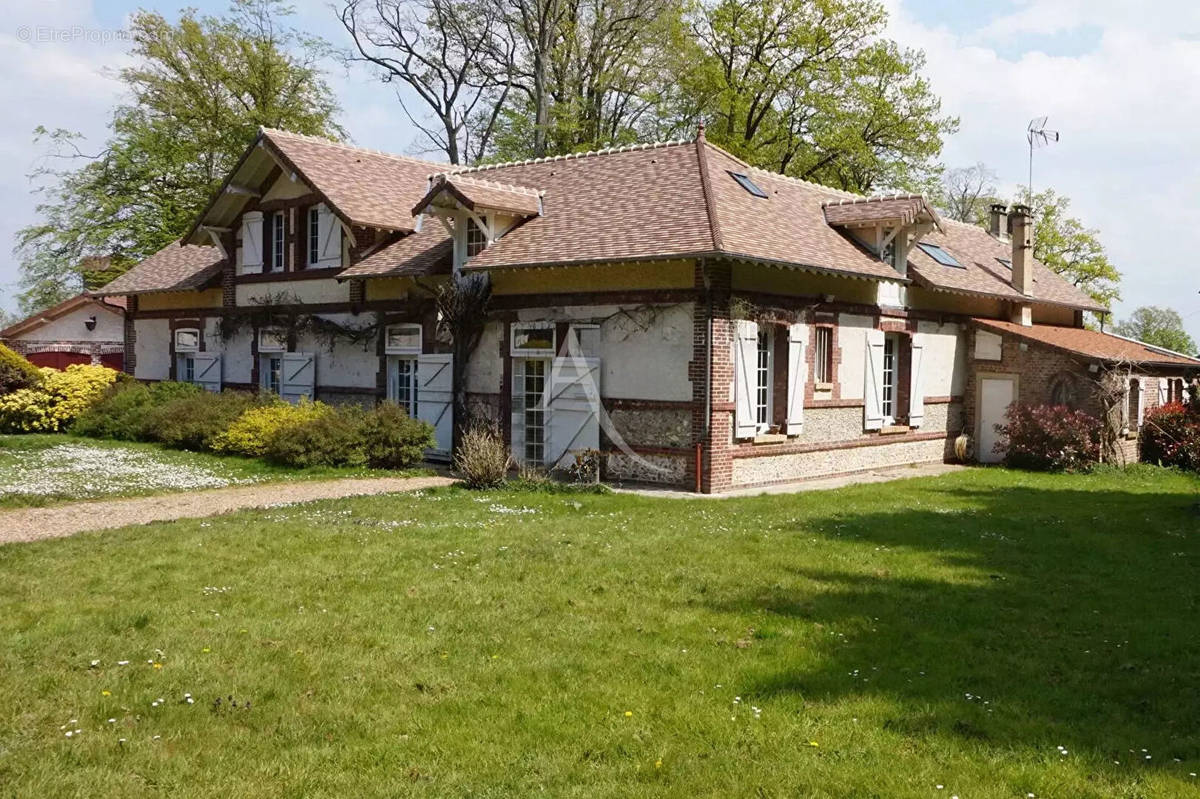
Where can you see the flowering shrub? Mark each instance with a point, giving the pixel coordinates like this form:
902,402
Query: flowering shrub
333,438
16,372
122,413
1049,438
196,420
54,403
250,432
391,439
1170,436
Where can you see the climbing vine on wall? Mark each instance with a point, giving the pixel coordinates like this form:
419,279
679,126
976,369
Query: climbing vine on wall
285,312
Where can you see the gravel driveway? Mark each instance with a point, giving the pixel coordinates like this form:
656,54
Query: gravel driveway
34,524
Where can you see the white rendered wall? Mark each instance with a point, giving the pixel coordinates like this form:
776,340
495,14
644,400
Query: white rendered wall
944,364
485,373
152,349
110,326
293,291
852,340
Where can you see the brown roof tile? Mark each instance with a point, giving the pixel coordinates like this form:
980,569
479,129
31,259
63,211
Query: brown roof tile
982,273
1090,343
367,187
481,194
176,267
428,252
904,208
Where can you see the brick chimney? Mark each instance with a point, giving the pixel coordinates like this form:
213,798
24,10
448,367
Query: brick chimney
998,220
1020,220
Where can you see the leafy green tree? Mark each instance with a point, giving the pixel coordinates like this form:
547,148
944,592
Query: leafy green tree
1064,244
966,194
809,88
1162,327
198,92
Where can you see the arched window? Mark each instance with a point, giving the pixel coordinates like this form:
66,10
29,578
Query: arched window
1064,391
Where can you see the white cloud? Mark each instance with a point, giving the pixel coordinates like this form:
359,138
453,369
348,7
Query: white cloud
1128,109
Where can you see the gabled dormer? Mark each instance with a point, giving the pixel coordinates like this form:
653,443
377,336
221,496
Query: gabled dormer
476,213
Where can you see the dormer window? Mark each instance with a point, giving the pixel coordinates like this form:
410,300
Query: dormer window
277,247
476,239
314,235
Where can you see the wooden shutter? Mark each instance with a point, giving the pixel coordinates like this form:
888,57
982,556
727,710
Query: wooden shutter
573,418
873,390
797,377
329,238
916,383
745,369
435,399
299,376
1141,400
1164,391
206,369
252,242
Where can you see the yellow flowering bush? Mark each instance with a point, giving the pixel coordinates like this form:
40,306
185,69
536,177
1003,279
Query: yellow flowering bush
249,434
54,404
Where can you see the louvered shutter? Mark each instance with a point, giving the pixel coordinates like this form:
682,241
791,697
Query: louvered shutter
873,390
299,376
573,422
329,238
916,384
745,378
435,399
206,369
797,376
252,242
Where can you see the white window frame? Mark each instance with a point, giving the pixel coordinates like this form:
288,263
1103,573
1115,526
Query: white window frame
409,327
265,372
278,241
184,347
271,339
474,237
538,352
403,384
534,451
889,392
764,370
187,369
822,354
313,245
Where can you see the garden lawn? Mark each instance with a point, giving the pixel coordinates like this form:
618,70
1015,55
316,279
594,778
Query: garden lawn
38,470
981,634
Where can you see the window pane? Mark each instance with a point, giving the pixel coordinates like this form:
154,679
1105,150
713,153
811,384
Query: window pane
762,400
476,240
889,377
187,339
535,416
533,338
823,357
403,338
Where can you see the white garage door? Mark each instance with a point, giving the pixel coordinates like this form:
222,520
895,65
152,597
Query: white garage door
995,395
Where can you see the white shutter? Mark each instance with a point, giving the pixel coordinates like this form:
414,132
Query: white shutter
873,391
1164,391
252,249
207,371
299,376
435,399
797,376
916,384
1141,398
329,238
518,410
745,377
573,417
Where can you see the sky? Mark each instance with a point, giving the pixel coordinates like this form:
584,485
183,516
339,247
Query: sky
1120,80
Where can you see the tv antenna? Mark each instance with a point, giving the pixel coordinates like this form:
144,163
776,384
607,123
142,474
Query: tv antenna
1038,136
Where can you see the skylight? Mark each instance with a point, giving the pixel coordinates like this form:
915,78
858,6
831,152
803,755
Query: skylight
938,254
749,185
1007,263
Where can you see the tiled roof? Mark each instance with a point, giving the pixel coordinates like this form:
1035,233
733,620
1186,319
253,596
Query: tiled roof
176,267
479,194
905,208
368,187
982,273
1090,343
429,252
634,203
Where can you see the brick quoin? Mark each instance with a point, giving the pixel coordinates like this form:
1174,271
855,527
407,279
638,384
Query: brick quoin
716,447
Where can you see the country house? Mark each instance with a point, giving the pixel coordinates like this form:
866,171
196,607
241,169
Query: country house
702,323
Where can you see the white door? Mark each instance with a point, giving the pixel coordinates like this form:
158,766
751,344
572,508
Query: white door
995,395
435,400
574,404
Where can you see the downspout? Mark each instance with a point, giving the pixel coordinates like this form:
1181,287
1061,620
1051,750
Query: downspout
708,338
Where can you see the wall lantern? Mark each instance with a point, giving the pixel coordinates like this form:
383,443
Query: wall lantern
90,323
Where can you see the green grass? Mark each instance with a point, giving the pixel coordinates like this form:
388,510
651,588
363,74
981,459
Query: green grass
38,470
950,631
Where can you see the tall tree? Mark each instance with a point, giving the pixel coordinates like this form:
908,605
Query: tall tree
811,89
966,193
1064,244
1162,327
198,92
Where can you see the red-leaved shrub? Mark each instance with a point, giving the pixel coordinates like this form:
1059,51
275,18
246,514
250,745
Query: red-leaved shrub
1049,438
1170,436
